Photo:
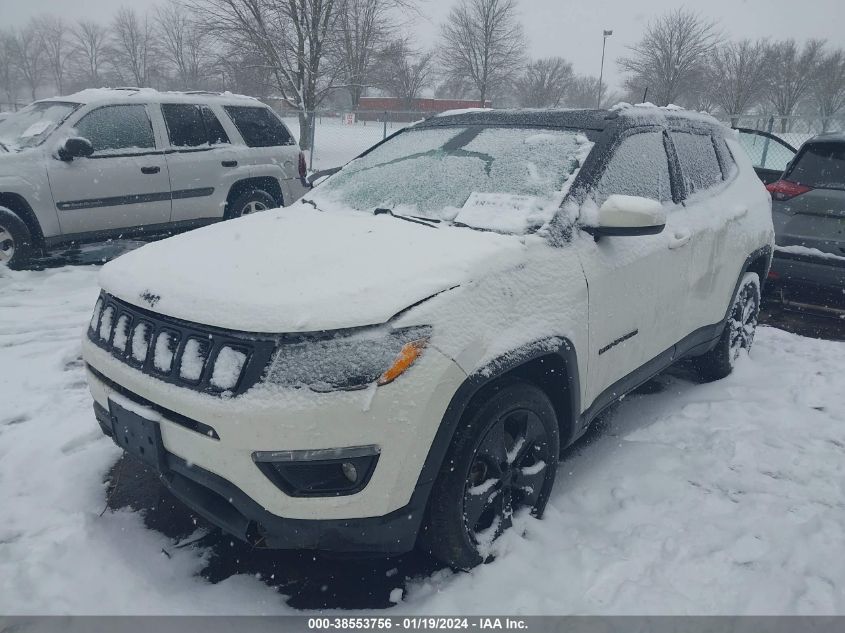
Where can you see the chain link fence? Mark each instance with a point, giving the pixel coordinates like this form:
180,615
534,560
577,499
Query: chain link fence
6,106
338,137
794,129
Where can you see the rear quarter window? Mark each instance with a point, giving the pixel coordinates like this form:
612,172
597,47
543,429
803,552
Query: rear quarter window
190,125
259,127
699,164
821,166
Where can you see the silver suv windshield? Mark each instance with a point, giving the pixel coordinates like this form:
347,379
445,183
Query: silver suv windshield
504,179
31,125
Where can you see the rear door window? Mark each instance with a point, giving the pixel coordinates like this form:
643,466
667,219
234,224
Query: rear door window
117,128
190,125
259,127
699,163
820,166
638,167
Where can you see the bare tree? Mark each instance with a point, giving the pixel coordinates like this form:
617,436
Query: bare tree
56,48
403,72
290,37
8,67
29,56
736,76
670,56
544,82
133,45
828,88
90,43
581,92
362,27
483,44
183,43
790,74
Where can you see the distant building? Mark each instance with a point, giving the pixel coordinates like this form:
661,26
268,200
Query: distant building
373,108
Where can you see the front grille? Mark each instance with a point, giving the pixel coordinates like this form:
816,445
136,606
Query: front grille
199,357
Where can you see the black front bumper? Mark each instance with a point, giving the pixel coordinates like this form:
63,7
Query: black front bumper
225,505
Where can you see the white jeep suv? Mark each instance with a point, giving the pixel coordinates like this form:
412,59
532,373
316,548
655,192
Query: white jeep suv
127,162
399,358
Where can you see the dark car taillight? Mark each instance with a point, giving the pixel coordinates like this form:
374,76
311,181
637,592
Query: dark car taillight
786,189
303,168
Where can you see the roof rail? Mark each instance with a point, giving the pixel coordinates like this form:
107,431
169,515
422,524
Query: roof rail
202,92
133,88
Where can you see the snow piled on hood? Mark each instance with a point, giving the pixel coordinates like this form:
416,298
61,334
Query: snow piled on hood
301,270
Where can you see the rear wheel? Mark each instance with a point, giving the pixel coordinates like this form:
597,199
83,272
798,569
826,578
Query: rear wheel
503,459
249,202
15,239
738,334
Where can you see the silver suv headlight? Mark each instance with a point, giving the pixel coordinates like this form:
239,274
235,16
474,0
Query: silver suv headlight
348,361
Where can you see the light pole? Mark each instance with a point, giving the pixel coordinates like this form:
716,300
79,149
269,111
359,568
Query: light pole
601,72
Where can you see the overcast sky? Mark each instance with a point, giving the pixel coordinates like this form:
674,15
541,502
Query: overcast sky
569,28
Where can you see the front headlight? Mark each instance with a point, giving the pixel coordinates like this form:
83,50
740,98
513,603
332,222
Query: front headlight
348,361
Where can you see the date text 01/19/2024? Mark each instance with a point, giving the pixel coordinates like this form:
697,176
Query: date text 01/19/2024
417,623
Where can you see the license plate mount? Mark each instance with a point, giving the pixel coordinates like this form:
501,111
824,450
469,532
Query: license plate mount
138,436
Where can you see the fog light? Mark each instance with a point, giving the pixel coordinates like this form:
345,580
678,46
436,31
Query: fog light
349,471
319,473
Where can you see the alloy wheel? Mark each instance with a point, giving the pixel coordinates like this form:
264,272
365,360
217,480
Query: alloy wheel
253,207
7,245
507,473
743,321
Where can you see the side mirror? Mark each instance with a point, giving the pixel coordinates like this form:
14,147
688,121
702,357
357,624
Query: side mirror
629,215
75,147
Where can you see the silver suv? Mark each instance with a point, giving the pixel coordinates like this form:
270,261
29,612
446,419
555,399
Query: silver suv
127,162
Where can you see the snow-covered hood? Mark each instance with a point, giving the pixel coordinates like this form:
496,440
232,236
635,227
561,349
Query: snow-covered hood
301,270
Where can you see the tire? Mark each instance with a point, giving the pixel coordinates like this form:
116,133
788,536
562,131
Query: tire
738,333
482,482
15,239
249,202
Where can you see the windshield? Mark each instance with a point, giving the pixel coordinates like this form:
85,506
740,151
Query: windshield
503,179
34,123
821,166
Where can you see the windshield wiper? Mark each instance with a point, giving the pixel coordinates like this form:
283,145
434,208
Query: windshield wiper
3,145
407,218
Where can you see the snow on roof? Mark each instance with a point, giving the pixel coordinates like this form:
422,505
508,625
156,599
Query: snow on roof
648,112
92,95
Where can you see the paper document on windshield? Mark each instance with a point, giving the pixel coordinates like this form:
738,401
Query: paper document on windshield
502,212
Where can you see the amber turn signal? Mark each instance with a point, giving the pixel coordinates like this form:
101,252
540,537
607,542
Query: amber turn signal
404,359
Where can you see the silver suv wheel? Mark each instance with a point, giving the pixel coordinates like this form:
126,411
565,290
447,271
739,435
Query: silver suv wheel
253,207
7,244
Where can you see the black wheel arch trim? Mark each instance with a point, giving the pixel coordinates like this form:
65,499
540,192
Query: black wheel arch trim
493,372
18,205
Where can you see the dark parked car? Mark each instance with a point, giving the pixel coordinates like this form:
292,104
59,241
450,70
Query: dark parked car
808,209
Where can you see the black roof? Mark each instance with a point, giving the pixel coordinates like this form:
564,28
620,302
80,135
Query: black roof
578,119
829,137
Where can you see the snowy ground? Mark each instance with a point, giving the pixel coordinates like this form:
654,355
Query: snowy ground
336,143
724,498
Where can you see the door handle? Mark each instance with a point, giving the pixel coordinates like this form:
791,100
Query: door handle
229,163
679,238
150,170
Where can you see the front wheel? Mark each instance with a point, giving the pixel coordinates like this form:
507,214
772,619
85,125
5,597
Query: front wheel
738,334
503,459
15,239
